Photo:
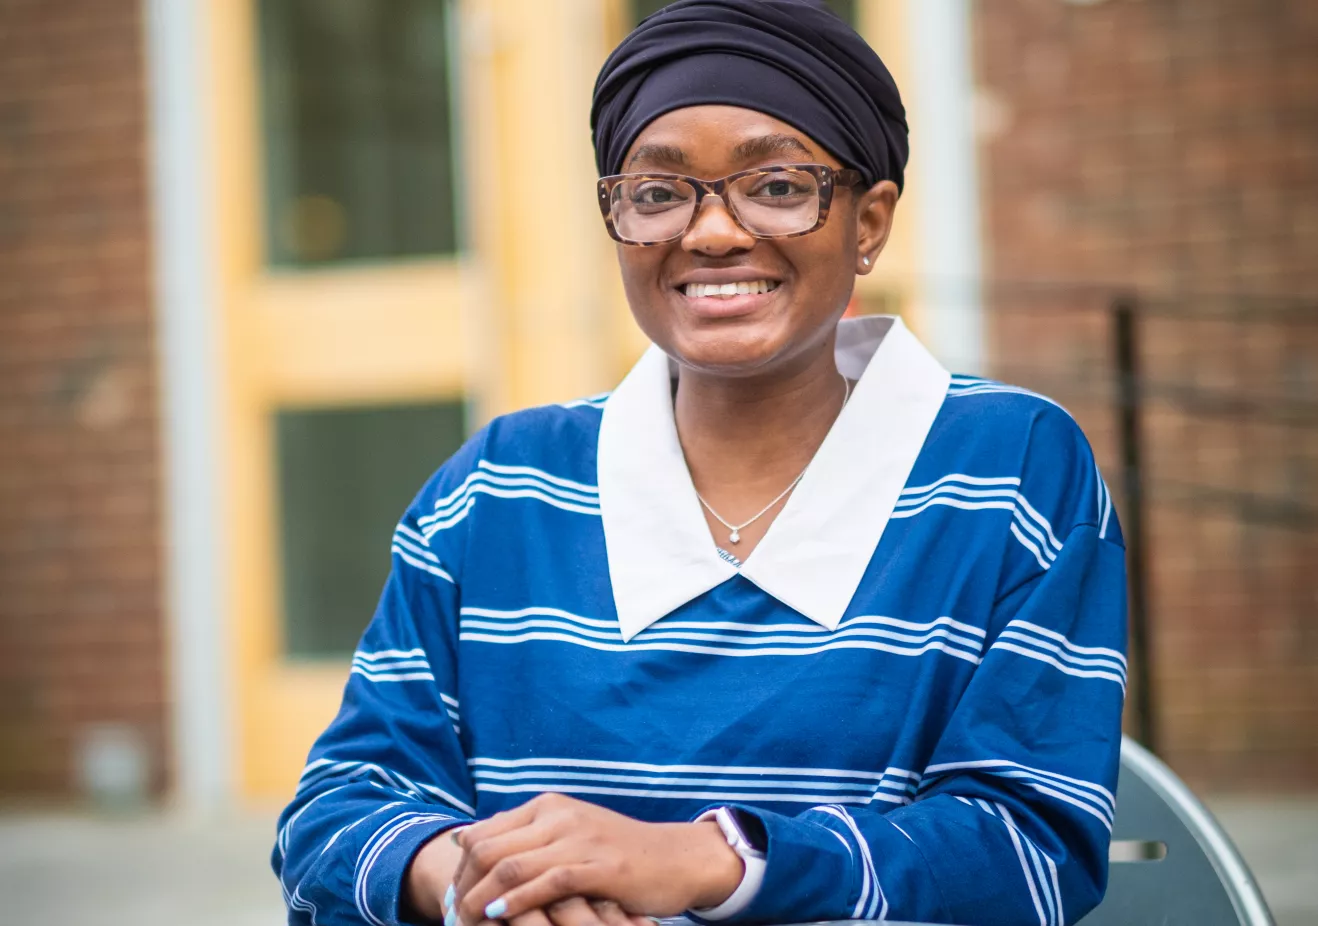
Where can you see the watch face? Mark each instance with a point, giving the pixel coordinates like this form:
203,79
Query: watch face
752,829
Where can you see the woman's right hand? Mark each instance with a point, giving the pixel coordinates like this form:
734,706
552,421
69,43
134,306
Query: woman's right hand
432,870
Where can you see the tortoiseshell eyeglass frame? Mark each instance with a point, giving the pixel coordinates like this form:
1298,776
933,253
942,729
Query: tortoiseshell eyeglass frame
826,177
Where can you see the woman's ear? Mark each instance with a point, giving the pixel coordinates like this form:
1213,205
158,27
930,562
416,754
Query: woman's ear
874,211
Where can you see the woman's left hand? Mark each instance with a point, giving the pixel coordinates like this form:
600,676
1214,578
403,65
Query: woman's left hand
555,847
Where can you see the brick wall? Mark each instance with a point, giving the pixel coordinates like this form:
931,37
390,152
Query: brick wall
80,570
1171,147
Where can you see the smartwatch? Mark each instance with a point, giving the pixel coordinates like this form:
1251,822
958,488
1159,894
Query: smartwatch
746,836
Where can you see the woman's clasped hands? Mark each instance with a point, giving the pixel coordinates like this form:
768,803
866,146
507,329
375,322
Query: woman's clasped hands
559,861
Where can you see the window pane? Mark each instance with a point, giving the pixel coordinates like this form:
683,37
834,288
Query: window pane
345,477
643,8
357,132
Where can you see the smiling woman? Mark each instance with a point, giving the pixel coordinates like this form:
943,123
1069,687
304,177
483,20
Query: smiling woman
793,625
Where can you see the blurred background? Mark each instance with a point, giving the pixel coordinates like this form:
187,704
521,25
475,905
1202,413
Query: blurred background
265,263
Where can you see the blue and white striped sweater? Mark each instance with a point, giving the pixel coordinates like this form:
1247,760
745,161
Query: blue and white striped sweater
948,753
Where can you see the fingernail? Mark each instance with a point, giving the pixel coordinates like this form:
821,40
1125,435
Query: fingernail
496,909
451,917
449,896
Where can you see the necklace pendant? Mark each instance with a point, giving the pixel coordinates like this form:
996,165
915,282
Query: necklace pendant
735,536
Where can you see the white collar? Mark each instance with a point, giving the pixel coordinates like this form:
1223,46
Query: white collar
660,551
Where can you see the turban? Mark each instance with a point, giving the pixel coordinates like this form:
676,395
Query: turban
790,59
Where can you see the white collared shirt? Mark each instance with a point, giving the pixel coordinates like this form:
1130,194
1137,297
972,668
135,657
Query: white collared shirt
659,548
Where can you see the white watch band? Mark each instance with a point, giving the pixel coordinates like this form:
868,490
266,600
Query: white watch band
752,862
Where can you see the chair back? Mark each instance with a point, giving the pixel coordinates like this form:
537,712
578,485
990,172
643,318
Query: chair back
1200,881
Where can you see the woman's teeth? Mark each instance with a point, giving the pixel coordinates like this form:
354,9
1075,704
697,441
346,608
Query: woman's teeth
700,290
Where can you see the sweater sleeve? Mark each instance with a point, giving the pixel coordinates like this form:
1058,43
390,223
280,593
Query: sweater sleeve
1013,814
390,772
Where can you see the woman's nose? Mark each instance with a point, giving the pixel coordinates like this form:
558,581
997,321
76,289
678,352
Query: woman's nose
715,231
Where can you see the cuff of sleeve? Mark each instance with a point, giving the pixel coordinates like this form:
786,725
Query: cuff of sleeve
808,875
751,879
378,888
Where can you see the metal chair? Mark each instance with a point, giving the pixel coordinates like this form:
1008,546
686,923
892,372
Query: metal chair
1200,881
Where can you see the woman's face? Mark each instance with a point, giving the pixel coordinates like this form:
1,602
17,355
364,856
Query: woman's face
812,275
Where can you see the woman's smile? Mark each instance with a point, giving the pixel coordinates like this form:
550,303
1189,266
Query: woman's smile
727,293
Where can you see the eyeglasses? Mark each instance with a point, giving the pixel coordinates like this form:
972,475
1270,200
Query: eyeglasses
767,202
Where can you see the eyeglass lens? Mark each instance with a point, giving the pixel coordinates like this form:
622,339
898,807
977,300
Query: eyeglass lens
768,205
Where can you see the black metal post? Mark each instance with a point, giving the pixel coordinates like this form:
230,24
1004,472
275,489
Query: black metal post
1126,349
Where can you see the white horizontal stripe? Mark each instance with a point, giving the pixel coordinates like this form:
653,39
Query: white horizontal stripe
673,782
485,482
540,474
909,625
1002,503
433,527
753,640
695,769
281,841
413,535
670,783
1084,795
719,651
1050,552
962,478
324,768
1030,518
1039,520
449,699
1060,666
1087,808
785,797
1073,647
494,471
421,564
411,546
482,480
1029,544
537,612
806,629
366,656
392,676
1100,662
391,665
990,765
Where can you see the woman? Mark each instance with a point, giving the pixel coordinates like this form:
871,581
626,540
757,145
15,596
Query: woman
792,626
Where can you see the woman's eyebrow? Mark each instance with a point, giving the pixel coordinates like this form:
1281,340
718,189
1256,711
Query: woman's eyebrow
766,145
662,154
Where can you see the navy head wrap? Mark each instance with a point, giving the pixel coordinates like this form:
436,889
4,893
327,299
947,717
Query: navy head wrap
791,59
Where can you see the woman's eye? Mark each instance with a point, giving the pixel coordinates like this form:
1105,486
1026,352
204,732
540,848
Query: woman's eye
779,189
655,194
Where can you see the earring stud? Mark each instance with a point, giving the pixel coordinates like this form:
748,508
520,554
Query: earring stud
865,261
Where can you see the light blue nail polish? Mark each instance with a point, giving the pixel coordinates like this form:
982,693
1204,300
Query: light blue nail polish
496,909
449,896
451,917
